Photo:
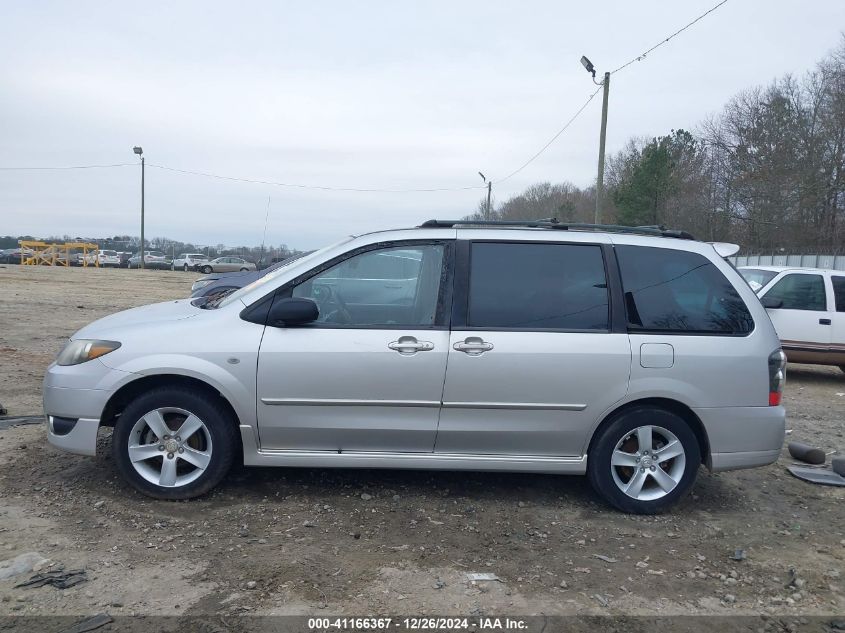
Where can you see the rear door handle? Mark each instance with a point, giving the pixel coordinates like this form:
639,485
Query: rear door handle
473,346
409,345
824,321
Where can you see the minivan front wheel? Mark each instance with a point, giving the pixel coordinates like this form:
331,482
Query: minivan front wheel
173,443
644,460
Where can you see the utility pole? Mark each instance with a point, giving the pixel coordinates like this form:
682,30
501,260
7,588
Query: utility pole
586,63
487,209
602,137
489,193
140,153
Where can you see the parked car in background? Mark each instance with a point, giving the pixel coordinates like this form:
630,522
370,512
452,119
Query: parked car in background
13,255
104,258
225,265
633,356
217,284
807,308
152,259
123,259
188,261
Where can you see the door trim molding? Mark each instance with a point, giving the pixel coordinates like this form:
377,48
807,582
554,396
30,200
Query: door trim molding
517,406
341,402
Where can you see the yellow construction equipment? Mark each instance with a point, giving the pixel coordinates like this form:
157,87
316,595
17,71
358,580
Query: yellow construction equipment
56,254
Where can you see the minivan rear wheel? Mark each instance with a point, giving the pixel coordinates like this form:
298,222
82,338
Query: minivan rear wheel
644,460
174,443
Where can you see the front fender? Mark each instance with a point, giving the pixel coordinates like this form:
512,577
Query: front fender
234,380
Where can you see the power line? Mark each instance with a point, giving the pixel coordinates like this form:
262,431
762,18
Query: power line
664,41
66,167
590,98
551,140
319,187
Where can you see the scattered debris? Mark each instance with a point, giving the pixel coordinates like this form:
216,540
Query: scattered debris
820,476
739,554
20,420
95,622
20,564
601,599
806,453
57,578
479,577
606,559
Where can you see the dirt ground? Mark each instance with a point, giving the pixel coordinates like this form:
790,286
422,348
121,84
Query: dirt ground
273,541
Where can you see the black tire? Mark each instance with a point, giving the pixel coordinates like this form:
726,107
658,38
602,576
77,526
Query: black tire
243,270
207,270
601,473
218,421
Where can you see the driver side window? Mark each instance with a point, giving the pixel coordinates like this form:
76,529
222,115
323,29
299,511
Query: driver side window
396,286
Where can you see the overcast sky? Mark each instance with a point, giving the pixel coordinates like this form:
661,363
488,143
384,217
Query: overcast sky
364,95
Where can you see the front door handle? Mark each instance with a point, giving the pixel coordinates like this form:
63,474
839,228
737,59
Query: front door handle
824,321
473,346
409,345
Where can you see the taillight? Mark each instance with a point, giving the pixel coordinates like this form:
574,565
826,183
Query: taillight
777,376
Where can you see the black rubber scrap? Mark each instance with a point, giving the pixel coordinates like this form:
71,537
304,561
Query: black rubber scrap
89,624
58,578
806,453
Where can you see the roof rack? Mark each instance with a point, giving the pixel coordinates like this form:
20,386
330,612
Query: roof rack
553,223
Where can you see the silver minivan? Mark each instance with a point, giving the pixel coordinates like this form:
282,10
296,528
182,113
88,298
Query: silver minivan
630,355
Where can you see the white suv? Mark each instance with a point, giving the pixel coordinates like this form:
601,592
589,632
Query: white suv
629,355
807,307
188,261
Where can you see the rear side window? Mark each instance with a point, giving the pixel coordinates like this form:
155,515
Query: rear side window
668,290
537,286
839,292
757,276
798,291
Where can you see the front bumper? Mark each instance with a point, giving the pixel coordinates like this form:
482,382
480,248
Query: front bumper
81,439
74,399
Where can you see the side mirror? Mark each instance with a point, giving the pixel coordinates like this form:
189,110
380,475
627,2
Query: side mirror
293,311
771,303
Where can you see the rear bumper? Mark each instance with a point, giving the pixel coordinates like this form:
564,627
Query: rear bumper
743,437
748,459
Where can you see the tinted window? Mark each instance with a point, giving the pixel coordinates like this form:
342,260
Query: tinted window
537,286
669,290
800,292
391,286
839,292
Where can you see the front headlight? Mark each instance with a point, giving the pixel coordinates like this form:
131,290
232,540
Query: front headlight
83,350
202,283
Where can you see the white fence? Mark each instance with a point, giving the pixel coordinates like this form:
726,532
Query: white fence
833,262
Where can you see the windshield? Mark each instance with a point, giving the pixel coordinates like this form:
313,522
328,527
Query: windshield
756,277
280,268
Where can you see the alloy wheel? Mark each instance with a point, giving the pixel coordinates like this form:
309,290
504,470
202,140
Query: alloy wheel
648,463
170,447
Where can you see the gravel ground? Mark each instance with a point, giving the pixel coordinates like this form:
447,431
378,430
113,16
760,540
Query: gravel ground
274,541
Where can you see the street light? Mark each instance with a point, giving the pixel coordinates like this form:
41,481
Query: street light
586,63
140,152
